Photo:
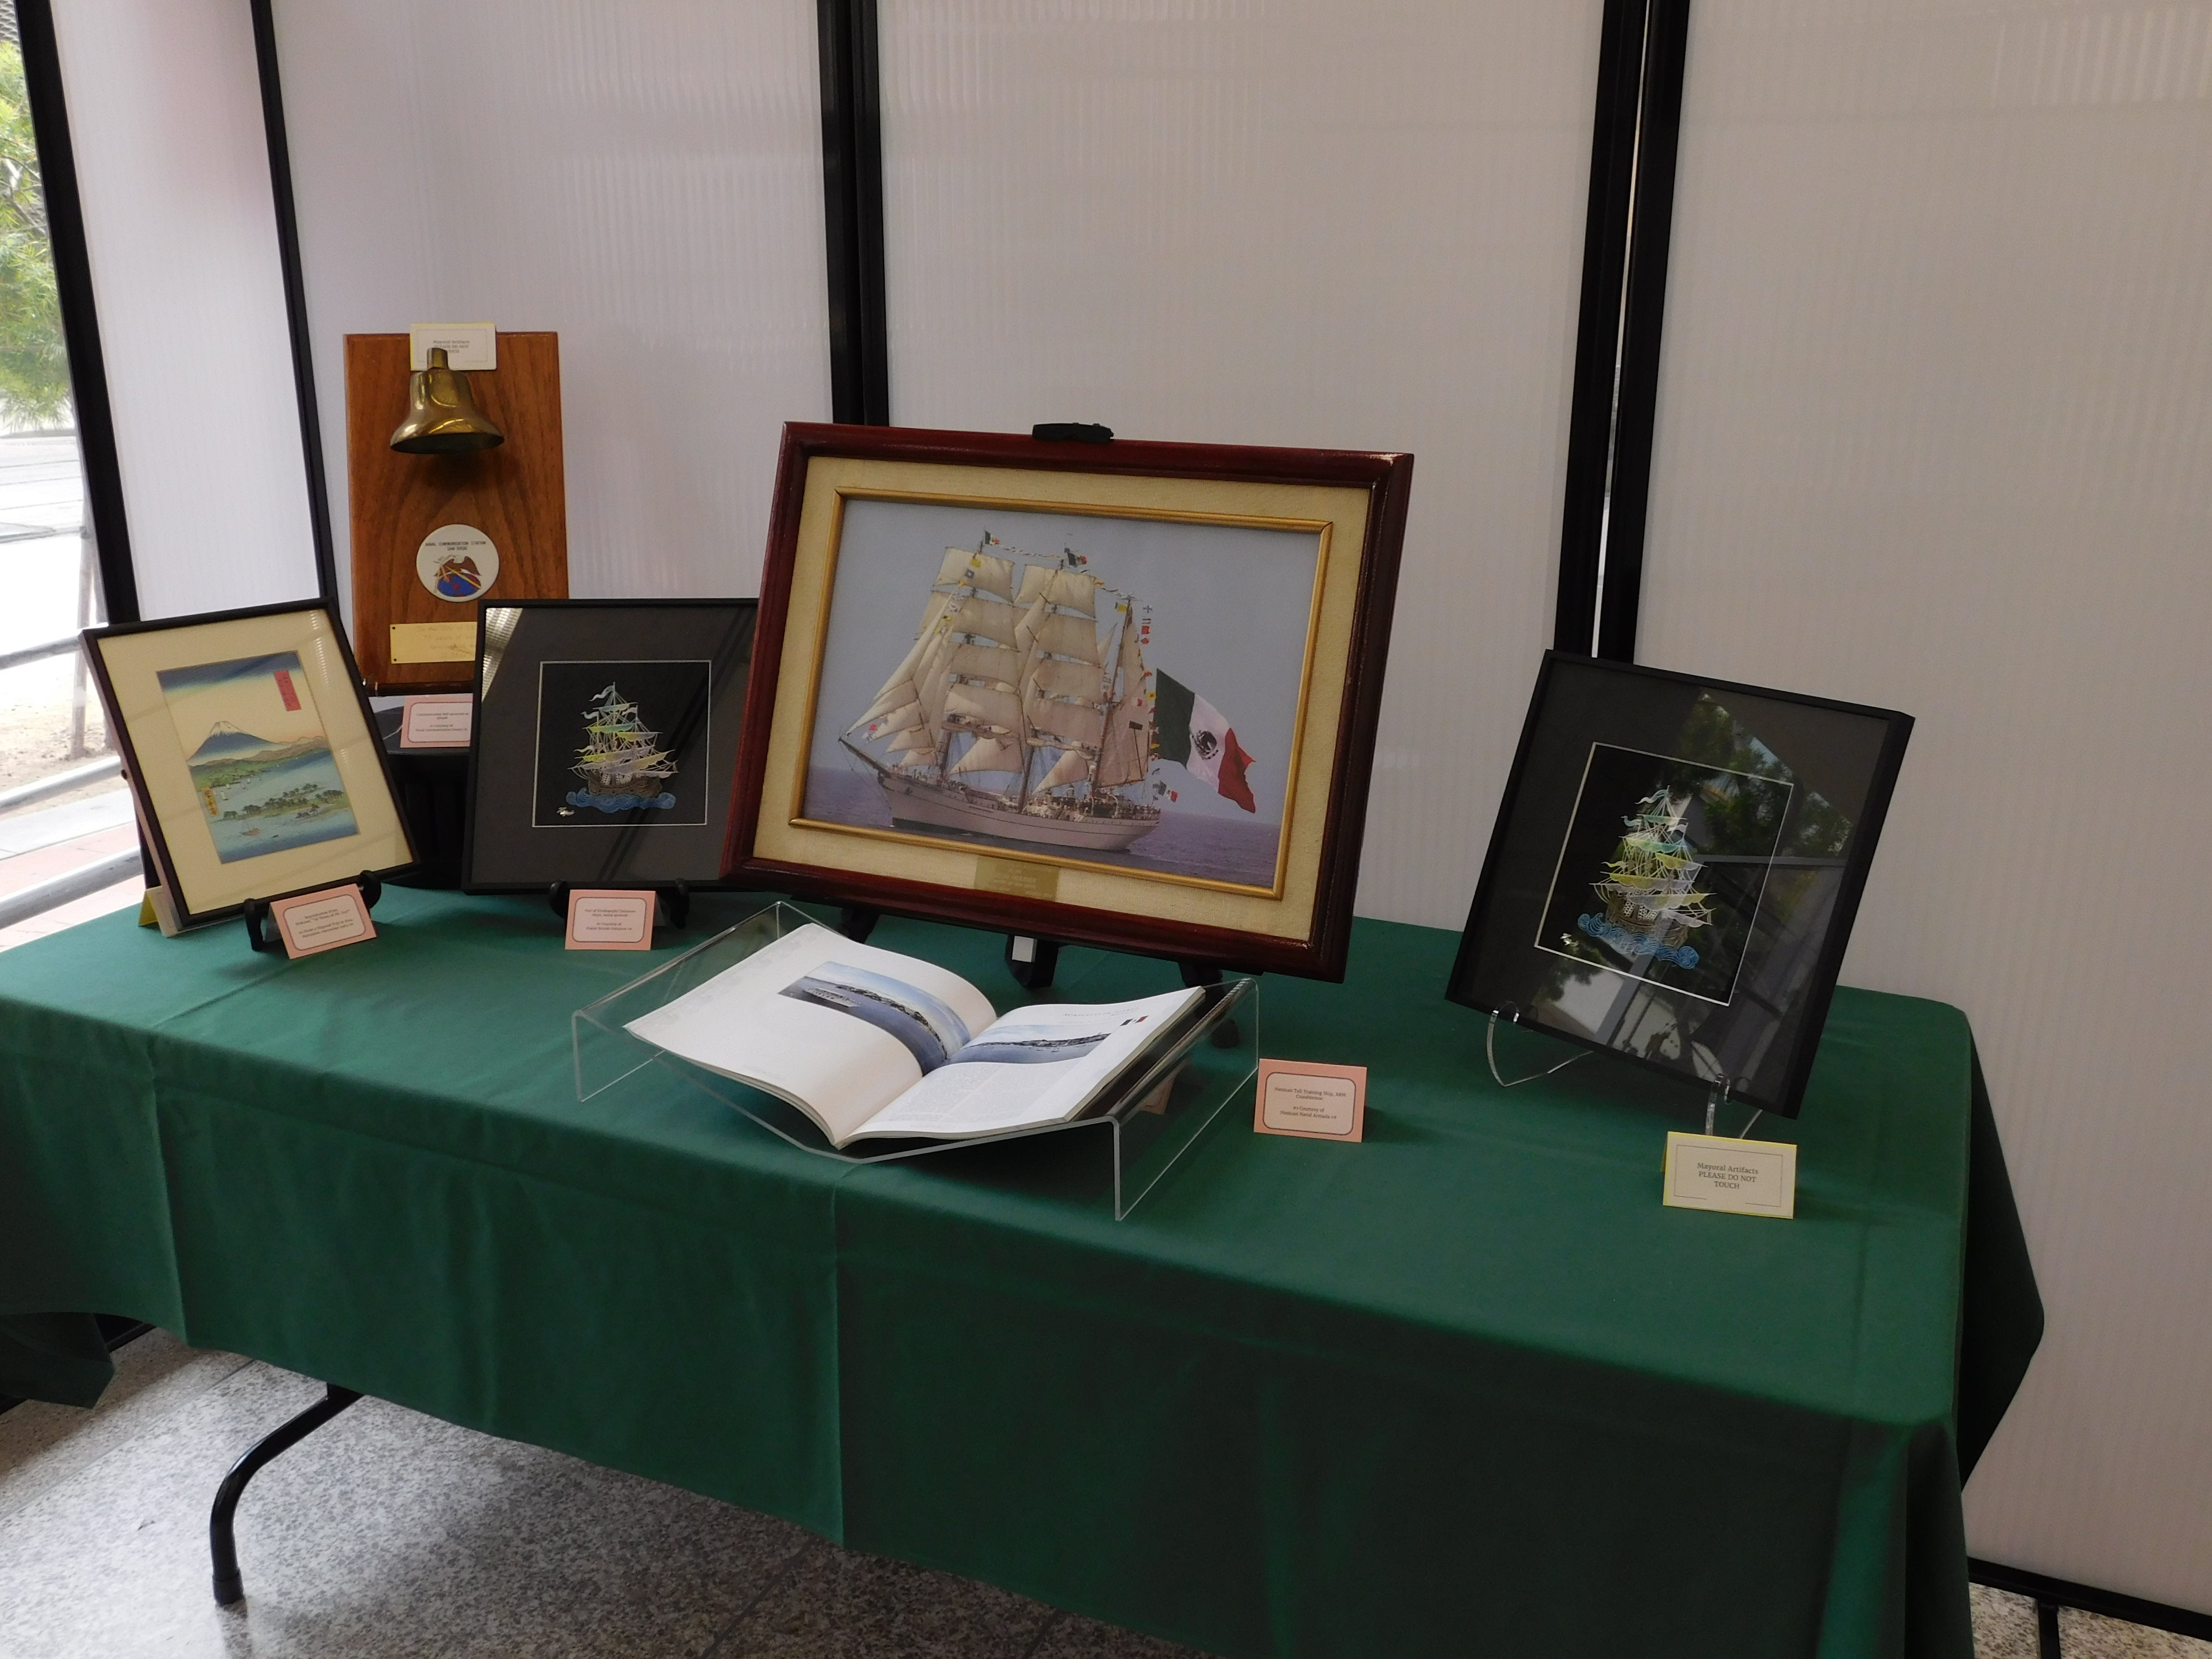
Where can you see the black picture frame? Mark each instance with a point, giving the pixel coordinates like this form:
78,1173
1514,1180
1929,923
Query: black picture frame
1646,807
687,662
143,739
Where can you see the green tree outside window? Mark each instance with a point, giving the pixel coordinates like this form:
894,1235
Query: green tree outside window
34,379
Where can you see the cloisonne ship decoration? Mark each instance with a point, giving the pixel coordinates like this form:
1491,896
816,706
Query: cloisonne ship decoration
621,761
1011,716
1650,887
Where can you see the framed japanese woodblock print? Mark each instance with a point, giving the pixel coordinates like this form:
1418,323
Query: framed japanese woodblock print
252,754
605,737
1118,694
1674,869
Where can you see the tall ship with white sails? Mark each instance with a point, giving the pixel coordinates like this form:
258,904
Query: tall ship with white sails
1015,714
1650,890
621,761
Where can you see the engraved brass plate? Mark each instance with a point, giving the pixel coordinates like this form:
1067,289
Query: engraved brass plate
455,641
1032,881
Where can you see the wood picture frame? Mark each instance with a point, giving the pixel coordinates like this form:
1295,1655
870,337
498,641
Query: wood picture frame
1674,869
285,787
1222,583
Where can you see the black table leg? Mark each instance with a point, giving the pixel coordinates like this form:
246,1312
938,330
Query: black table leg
228,1587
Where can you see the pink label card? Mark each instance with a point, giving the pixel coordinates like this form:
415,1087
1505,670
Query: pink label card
610,919
440,723
314,922
1315,1101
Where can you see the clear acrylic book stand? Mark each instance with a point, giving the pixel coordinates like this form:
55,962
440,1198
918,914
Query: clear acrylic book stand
1149,1123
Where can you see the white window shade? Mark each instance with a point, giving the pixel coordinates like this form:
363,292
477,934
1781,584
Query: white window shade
1318,225
180,230
1935,432
643,180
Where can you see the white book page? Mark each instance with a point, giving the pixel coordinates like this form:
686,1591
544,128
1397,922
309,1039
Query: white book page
839,1029
1006,1079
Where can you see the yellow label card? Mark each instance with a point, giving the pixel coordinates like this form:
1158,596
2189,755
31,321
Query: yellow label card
1743,1177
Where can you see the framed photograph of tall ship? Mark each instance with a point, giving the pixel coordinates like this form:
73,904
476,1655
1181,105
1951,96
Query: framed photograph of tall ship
605,737
1118,694
252,757
1674,869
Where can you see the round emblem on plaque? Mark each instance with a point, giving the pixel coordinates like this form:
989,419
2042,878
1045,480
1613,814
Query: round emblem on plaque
457,562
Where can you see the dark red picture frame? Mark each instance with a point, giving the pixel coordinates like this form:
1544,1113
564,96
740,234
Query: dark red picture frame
1386,478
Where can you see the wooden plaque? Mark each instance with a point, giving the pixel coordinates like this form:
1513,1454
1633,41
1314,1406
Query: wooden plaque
514,494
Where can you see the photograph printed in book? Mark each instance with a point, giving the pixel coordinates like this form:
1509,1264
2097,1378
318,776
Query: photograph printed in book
1057,684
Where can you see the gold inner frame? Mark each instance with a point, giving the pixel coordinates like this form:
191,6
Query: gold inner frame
1336,514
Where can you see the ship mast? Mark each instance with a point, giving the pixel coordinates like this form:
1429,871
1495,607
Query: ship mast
959,674
1112,698
1064,677
1106,687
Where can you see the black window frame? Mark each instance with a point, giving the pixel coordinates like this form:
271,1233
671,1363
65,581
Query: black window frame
95,418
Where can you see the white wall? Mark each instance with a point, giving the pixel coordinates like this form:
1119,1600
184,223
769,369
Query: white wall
1935,432
644,179
165,116
1298,223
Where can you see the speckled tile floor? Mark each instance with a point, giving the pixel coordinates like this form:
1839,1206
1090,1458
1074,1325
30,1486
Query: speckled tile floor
2004,1628
387,1534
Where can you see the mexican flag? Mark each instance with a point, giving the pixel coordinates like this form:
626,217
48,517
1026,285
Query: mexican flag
1191,731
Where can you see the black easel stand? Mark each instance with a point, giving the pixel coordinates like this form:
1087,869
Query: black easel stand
674,908
1032,961
223,1545
256,911
1070,432
857,921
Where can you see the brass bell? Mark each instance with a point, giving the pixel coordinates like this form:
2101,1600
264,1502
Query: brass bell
442,418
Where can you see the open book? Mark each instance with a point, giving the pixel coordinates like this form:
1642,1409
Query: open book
873,1044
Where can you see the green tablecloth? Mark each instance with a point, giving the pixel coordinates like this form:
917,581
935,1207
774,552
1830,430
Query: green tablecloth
1467,1386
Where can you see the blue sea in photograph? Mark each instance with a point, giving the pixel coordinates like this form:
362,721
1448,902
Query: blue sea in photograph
1185,844
295,802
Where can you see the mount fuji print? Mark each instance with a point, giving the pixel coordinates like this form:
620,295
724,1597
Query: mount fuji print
259,758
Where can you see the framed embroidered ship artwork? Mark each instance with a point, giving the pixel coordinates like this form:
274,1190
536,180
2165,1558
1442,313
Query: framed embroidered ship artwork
1118,694
251,755
600,764
604,740
1674,869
